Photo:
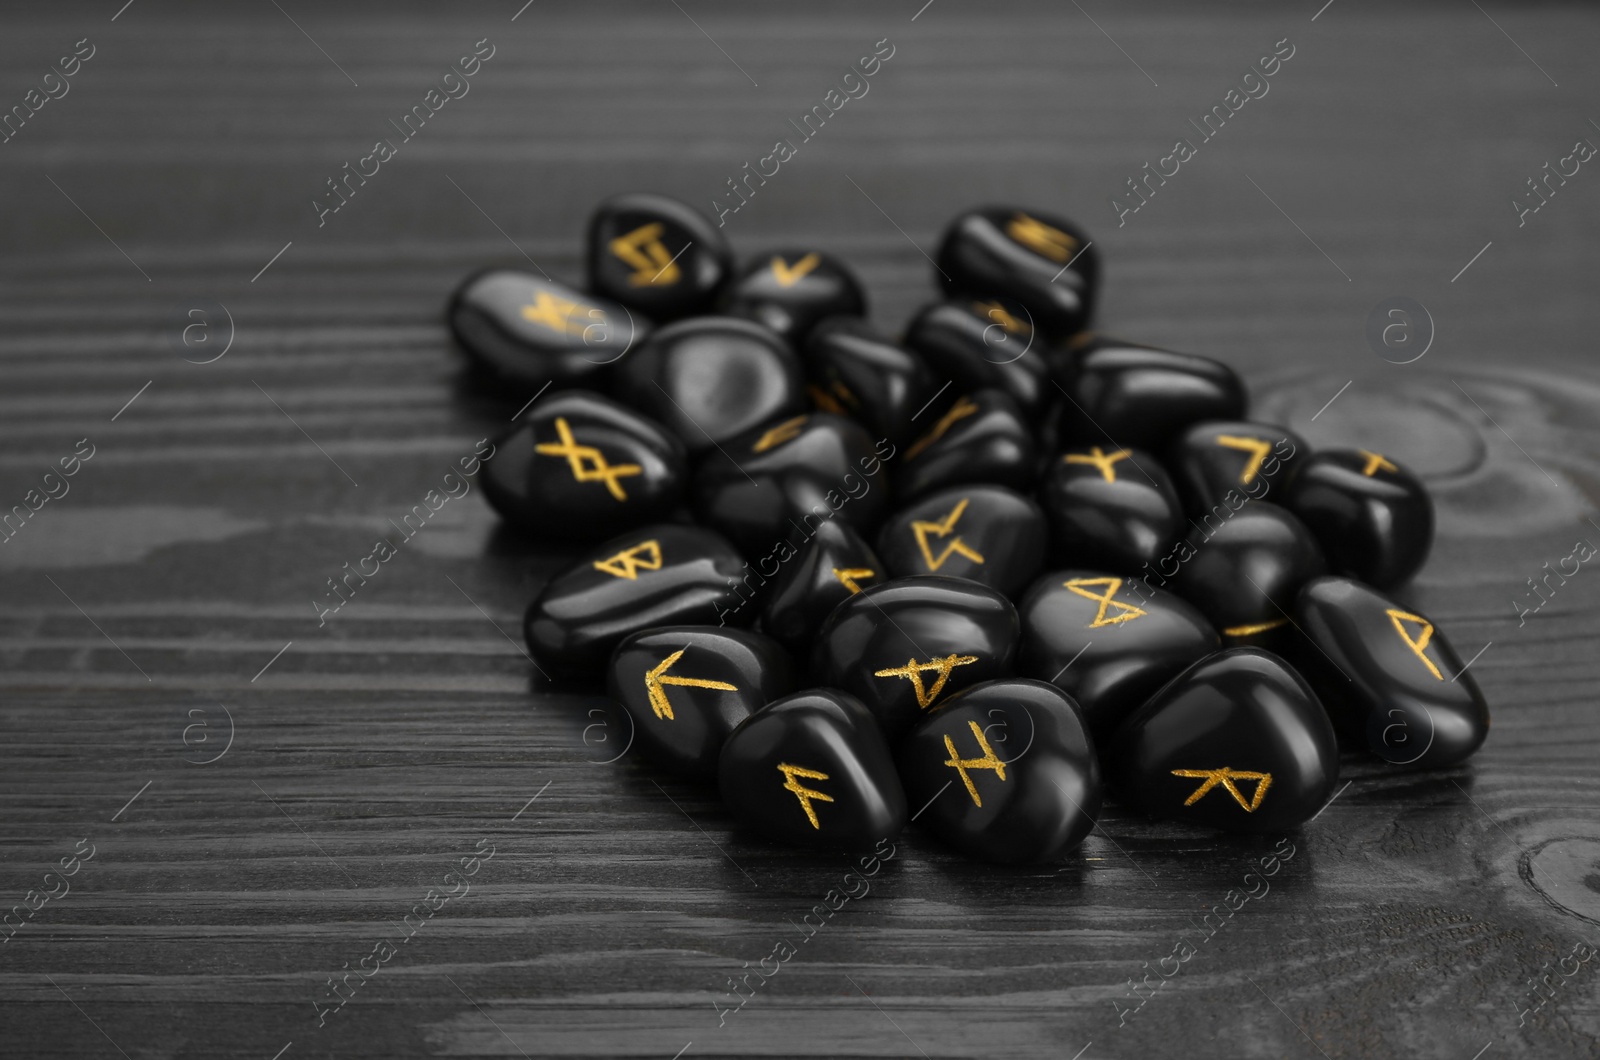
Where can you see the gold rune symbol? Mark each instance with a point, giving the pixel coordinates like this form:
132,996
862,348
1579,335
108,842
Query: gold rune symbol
1002,316
783,432
801,792
1226,777
1041,238
1107,599
788,275
834,398
942,528
961,765
588,463
1257,449
654,679
913,671
630,561
959,411
555,313
652,263
1101,460
1375,461
1254,628
1420,643
850,577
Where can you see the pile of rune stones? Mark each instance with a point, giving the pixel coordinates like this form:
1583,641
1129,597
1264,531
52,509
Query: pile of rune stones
968,576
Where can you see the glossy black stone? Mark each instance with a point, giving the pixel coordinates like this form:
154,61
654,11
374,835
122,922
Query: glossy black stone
813,770
1237,742
903,645
1109,508
831,567
1108,641
776,482
1373,518
658,575
852,370
790,291
1006,771
981,437
984,343
657,256
1041,261
687,687
1217,462
528,331
1243,568
578,466
708,379
1135,396
987,534
1388,676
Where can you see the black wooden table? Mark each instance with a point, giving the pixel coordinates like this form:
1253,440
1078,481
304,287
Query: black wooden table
250,803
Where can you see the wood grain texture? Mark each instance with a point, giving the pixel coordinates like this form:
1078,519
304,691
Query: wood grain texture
380,748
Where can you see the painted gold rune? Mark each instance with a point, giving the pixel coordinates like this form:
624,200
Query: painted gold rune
654,679
1043,239
792,775
1004,317
961,765
1106,600
786,431
1257,449
630,561
1097,458
913,671
788,275
588,463
1419,643
555,313
851,577
943,528
1226,777
1375,462
653,264
959,411
1254,628
834,398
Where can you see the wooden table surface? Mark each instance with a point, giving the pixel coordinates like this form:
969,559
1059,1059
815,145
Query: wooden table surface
161,612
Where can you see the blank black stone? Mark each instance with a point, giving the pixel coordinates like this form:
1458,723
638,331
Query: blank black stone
1004,772
528,331
708,379
813,770
791,291
658,575
578,466
657,256
1124,395
1112,509
1041,261
853,370
687,687
903,645
981,437
988,534
1388,676
1108,641
1244,567
1373,518
981,344
776,481
1236,742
